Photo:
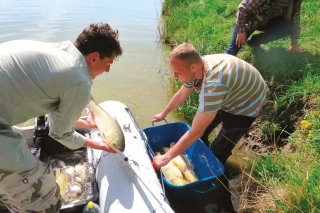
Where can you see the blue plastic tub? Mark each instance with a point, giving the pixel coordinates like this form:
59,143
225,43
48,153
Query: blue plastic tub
206,165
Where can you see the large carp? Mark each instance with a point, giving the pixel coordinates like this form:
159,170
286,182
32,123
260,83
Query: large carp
180,163
173,174
108,127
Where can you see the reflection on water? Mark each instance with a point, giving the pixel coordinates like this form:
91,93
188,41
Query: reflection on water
138,78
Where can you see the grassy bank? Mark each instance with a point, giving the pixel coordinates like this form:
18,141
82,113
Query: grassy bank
287,177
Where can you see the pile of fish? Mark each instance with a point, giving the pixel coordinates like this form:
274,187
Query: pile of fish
179,170
73,175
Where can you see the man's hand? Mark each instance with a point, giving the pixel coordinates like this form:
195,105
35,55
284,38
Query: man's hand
295,48
98,144
90,119
108,148
158,117
241,39
159,161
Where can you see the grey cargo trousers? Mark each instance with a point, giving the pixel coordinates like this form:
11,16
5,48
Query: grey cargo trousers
29,191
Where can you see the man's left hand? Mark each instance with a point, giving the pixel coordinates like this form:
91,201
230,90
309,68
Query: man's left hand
90,119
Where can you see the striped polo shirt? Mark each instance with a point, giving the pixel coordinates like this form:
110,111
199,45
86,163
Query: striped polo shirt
233,85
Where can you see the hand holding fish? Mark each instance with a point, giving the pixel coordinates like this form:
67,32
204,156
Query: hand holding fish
108,148
98,145
87,123
108,127
90,119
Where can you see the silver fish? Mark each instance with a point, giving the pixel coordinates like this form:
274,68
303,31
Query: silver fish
108,127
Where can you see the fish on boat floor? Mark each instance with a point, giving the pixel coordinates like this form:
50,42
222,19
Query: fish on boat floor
72,174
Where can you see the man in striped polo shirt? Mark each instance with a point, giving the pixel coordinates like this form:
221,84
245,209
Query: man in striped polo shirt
231,91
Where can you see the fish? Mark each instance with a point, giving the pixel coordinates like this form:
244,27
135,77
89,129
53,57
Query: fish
62,180
75,190
180,163
56,163
173,174
109,128
81,171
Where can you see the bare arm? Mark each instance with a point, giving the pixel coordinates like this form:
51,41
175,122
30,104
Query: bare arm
199,124
179,98
86,124
100,145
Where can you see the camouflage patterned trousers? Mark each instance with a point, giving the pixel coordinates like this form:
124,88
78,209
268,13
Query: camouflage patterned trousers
30,191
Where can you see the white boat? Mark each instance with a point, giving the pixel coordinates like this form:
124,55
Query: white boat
126,181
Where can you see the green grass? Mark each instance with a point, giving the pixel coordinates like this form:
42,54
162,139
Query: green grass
289,175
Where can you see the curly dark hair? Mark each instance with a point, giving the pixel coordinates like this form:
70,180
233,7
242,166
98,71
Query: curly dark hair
101,38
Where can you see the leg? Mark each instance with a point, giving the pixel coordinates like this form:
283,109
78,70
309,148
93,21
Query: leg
216,121
32,190
275,29
226,141
224,199
26,184
234,127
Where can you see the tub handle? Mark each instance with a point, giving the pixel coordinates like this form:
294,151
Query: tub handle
163,119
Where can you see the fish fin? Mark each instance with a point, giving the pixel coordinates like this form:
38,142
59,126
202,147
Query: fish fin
157,153
172,144
179,181
165,149
189,176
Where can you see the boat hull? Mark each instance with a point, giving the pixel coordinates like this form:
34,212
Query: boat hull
127,181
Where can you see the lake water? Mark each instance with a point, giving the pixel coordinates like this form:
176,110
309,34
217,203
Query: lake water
139,78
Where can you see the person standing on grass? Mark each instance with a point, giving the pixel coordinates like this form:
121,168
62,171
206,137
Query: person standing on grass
38,78
231,91
275,18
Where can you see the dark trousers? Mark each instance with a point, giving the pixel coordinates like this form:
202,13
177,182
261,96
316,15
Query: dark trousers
233,128
229,121
274,29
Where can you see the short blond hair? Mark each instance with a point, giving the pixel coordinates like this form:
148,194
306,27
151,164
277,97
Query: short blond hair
186,53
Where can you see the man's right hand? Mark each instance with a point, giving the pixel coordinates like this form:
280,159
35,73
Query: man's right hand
158,117
108,149
241,39
98,144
